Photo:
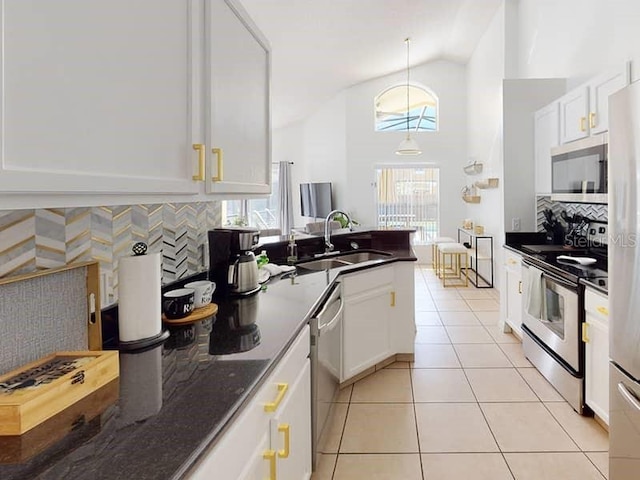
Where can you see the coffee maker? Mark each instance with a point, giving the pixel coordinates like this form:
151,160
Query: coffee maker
232,263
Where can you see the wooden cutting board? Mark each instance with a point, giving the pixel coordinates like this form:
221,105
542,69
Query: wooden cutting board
39,390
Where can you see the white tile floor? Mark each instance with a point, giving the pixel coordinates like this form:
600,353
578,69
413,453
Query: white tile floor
471,406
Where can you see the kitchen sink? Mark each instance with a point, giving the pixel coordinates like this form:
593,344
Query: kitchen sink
342,260
357,257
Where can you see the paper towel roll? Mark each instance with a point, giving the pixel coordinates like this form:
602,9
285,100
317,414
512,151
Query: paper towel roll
139,300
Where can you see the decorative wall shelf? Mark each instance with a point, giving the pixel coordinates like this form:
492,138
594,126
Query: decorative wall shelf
487,183
473,169
471,198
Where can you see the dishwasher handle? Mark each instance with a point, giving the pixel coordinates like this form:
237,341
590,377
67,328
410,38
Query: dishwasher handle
331,323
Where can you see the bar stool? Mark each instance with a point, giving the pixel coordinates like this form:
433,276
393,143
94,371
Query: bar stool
434,250
457,254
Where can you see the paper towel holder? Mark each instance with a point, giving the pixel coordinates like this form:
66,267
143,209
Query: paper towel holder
139,249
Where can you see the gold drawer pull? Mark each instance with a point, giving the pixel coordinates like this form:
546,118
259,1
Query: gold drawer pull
286,429
271,456
282,390
220,160
200,148
393,299
603,311
585,337
583,124
592,120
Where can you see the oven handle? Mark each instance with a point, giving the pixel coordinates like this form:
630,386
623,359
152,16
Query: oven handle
551,277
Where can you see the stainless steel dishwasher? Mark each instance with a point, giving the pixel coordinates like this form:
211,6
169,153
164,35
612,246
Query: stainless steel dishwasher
326,362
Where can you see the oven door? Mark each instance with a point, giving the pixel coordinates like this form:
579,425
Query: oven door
551,312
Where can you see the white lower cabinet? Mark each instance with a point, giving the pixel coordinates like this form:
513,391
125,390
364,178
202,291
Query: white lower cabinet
272,436
512,308
369,297
595,334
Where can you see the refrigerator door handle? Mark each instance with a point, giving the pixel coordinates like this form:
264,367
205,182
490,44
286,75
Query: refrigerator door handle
629,397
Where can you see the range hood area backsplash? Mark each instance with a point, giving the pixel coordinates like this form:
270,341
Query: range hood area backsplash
593,211
36,239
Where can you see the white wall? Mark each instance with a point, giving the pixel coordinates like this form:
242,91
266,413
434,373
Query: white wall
338,143
485,73
445,148
577,39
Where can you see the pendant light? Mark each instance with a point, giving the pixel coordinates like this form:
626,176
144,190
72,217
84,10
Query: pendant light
408,146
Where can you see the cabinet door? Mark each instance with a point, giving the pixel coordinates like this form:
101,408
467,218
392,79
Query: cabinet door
596,337
599,90
238,111
574,111
259,462
96,97
366,329
291,430
547,136
514,300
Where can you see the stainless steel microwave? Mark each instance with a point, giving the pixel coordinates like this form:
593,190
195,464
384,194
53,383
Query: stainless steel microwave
579,170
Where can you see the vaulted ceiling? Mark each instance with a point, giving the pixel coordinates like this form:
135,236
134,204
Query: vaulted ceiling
320,47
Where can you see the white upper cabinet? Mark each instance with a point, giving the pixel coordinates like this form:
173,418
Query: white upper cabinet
585,110
237,117
547,136
599,90
97,97
574,112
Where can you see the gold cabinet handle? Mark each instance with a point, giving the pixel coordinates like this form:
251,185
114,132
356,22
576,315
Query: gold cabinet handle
520,286
201,149
592,120
603,311
282,390
271,456
585,337
286,429
220,160
393,299
583,124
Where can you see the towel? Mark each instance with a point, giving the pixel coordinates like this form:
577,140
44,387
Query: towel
274,269
535,293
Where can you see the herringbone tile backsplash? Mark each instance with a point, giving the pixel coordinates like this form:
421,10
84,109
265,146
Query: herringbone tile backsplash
593,211
46,238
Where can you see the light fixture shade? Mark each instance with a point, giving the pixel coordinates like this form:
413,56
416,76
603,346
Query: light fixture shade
408,146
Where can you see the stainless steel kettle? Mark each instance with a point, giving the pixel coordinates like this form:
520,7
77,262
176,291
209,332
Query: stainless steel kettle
243,274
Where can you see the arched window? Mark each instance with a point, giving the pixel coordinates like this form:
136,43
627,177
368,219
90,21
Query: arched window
391,109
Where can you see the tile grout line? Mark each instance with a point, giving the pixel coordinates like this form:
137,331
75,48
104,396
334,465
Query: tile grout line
415,418
344,427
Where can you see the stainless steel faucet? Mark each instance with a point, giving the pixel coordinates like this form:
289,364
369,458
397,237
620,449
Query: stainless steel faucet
327,228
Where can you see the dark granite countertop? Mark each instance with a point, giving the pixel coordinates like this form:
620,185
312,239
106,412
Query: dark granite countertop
173,401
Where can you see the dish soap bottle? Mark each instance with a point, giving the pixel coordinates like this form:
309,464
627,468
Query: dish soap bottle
262,259
292,249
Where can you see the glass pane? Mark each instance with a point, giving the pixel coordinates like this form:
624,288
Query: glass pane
409,197
391,110
554,312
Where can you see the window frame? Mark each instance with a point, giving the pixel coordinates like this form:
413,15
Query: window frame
403,119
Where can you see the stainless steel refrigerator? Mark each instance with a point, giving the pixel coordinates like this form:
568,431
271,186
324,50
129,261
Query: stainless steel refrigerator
624,283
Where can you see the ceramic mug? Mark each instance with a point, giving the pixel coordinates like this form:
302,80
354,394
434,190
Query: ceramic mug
178,303
203,292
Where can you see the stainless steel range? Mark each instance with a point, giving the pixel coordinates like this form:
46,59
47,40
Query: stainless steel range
553,308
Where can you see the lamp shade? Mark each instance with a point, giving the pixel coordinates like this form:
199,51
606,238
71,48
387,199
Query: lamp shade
408,146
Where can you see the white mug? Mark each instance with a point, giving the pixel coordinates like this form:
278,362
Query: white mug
203,292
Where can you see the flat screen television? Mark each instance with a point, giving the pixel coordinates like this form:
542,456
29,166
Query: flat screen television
315,199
